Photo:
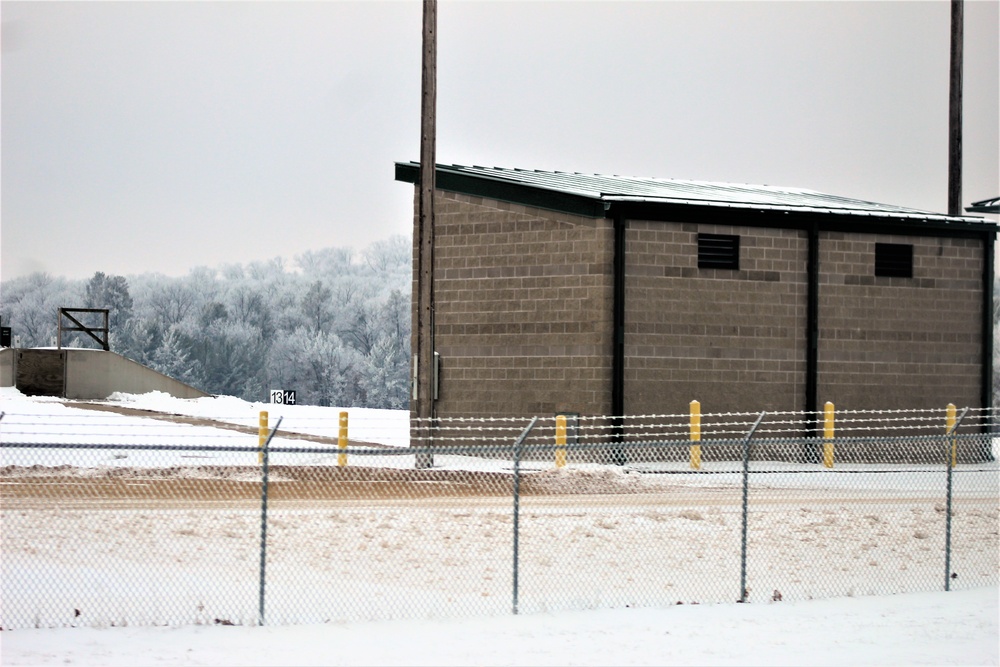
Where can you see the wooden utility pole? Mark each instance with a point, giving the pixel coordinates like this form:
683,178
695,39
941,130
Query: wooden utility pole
955,112
424,396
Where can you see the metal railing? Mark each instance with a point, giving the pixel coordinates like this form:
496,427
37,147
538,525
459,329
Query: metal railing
166,523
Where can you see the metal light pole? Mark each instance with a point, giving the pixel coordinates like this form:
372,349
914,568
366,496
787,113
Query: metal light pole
424,395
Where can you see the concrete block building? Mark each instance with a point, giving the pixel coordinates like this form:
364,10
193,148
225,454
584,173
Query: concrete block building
605,295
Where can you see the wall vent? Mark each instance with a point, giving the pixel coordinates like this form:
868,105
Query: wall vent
718,251
894,260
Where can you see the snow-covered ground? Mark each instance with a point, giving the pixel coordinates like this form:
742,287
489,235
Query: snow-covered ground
957,628
659,539
388,427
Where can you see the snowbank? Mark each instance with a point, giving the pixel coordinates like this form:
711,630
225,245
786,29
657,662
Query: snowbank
959,628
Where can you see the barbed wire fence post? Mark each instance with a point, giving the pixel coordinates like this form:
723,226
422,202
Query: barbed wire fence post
517,506
951,446
746,484
265,448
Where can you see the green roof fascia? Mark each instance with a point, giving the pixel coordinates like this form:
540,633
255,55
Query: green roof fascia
985,206
478,186
692,212
855,222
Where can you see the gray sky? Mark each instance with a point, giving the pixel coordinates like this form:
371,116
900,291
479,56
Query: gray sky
162,136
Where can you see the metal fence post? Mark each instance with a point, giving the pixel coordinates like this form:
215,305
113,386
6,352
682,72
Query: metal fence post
950,452
746,484
517,504
695,447
263,520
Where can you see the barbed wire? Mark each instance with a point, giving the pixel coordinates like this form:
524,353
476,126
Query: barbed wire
404,431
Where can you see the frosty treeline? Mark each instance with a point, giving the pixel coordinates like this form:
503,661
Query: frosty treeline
334,325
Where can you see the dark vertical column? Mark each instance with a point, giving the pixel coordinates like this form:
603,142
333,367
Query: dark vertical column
986,389
955,112
812,321
618,347
425,235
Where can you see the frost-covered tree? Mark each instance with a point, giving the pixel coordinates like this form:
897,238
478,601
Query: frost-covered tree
211,313
390,254
333,325
394,318
140,341
173,358
229,358
319,367
327,262
110,292
172,303
385,379
317,307
248,306
361,329
30,307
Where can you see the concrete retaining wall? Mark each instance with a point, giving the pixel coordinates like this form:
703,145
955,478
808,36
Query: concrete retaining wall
6,367
95,375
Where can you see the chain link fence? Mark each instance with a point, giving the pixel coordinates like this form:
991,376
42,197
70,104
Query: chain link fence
114,520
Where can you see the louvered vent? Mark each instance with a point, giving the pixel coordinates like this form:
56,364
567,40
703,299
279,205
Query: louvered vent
718,251
894,260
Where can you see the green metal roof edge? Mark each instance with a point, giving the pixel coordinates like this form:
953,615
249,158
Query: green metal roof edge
599,207
985,206
515,193
801,219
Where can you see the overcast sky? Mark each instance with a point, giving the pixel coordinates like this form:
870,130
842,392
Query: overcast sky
156,137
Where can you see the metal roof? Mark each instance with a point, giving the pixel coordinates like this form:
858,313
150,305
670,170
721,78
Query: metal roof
613,188
985,206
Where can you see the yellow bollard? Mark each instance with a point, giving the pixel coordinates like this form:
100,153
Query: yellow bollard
828,412
261,436
950,424
695,435
342,441
560,441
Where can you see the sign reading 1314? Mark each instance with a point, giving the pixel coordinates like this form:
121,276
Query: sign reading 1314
283,396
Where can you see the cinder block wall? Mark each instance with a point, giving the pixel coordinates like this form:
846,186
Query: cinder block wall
888,343
524,317
733,340
523,309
